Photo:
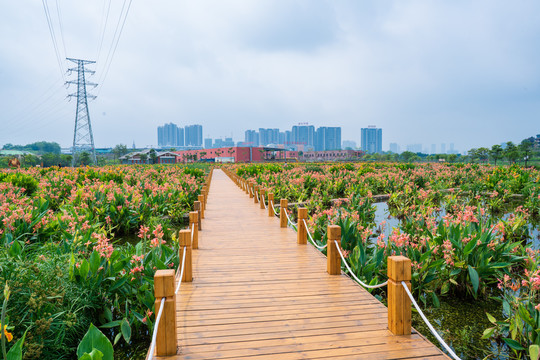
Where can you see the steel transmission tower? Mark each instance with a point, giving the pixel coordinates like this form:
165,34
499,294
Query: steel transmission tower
83,139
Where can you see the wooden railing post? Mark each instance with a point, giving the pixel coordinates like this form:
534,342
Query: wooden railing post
205,194
283,204
185,241
251,190
399,304
301,235
194,220
197,208
246,188
333,260
262,194
166,340
201,200
256,193
270,205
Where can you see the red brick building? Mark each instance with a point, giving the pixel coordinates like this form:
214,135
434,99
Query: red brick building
235,154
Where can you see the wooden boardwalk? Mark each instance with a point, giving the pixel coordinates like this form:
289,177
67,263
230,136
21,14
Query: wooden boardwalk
257,294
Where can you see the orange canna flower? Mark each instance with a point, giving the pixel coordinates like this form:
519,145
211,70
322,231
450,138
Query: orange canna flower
9,336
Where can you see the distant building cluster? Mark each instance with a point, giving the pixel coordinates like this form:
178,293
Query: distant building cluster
189,136
301,137
420,148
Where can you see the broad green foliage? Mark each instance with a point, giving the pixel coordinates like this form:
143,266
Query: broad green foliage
83,247
95,346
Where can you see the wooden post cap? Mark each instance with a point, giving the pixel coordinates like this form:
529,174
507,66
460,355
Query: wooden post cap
399,268
163,283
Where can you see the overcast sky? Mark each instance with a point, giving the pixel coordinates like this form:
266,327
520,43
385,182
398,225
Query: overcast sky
430,72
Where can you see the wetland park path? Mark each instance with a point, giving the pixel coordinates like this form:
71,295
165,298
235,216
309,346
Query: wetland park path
257,294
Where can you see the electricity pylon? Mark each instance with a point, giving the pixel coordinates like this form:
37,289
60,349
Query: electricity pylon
83,139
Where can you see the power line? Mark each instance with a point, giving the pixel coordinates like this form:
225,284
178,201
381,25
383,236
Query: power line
103,27
61,28
108,65
53,37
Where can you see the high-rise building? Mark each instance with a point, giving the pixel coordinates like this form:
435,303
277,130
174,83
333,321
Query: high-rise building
371,139
303,135
208,143
180,139
394,147
193,135
251,138
168,135
327,138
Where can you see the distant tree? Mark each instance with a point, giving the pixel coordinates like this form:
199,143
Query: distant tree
84,159
473,154
496,153
483,154
511,152
203,154
153,156
30,160
526,148
119,150
144,157
452,158
407,156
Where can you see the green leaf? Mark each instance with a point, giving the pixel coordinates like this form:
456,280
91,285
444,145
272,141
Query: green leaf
474,279
435,300
83,269
111,324
94,339
15,249
15,353
491,319
487,333
126,330
469,247
513,344
534,352
94,262
94,355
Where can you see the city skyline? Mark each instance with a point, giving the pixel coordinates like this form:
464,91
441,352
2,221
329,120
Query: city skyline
427,73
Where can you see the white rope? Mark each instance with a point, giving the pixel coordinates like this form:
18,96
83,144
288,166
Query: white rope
439,338
192,232
289,219
262,196
274,209
313,241
354,276
154,335
181,271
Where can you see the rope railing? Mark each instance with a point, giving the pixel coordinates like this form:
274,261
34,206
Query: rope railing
181,271
289,219
158,318
311,238
274,209
437,336
352,273
192,232
154,334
